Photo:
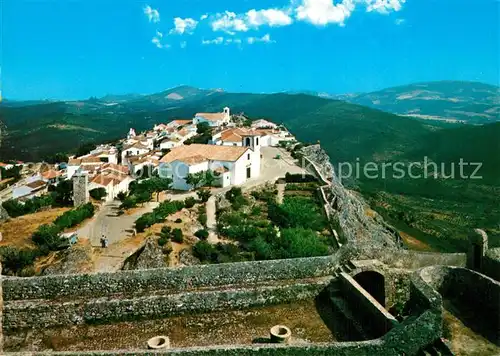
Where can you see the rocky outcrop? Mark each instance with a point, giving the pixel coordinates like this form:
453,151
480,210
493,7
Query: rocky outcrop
148,257
347,209
75,259
3,214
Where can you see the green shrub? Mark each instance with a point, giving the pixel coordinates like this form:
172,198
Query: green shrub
202,218
162,241
75,216
98,193
129,202
256,210
166,231
204,195
121,196
201,234
14,260
189,202
177,236
297,212
48,236
204,251
15,208
158,215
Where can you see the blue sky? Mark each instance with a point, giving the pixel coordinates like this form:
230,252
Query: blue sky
61,49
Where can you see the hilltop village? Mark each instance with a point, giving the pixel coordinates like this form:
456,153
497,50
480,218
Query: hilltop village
223,235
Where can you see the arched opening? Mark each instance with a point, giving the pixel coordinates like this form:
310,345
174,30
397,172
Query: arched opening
374,283
256,141
248,141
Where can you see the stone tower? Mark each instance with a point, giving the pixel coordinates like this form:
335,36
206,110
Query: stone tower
80,189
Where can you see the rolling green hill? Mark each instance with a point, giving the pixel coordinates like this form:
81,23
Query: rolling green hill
454,101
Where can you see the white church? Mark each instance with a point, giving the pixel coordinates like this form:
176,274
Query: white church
213,119
233,165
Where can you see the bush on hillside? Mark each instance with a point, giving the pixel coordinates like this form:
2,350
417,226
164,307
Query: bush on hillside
189,202
158,215
201,234
48,237
204,251
75,216
15,208
177,236
204,195
14,260
121,196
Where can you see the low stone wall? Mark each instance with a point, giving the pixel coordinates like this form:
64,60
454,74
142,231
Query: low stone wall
43,314
399,258
372,315
166,279
491,263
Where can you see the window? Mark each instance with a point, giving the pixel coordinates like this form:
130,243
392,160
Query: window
257,141
248,156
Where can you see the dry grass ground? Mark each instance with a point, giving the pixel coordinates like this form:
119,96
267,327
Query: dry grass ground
464,341
17,232
217,328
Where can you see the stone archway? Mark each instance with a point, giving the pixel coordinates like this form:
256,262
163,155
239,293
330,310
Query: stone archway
374,283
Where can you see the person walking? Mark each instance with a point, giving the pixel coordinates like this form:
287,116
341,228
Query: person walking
103,241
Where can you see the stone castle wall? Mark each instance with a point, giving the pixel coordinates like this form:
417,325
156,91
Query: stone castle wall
166,279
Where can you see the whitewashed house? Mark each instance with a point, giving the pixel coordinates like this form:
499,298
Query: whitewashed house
134,149
113,178
263,124
234,165
106,153
213,119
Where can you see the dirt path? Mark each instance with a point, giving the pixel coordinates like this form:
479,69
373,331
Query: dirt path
211,221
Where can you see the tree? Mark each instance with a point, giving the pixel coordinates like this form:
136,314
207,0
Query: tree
203,128
158,185
63,193
201,234
195,179
98,193
210,178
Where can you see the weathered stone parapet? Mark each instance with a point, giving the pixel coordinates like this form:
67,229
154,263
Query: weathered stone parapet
43,314
128,283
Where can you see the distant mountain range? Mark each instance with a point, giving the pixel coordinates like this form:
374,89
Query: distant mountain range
451,101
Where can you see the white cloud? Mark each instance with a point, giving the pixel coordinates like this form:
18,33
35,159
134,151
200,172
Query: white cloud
157,41
269,17
152,14
324,12
399,21
183,44
384,6
184,25
231,22
232,40
203,17
215,41
266,39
